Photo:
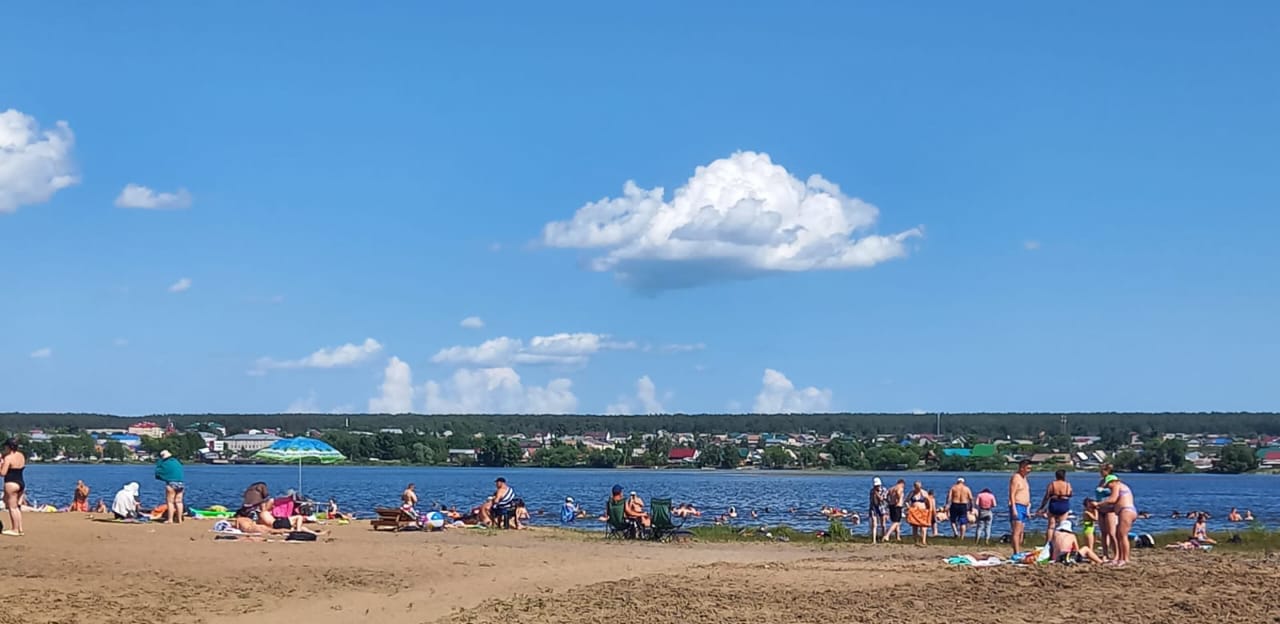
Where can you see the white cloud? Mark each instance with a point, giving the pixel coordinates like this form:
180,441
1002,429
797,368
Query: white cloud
472,322
33,164
738,217
558,349
120,342
182,285
646,397
497,391
304,405
329,357
682,348
138,196
1031,245
397,390
778,396
41,354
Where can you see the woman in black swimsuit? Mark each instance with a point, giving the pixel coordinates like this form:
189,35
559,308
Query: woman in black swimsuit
12,464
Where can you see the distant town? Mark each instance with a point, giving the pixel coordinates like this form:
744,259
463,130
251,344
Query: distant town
212,442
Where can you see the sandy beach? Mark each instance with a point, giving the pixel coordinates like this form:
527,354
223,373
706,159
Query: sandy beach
69,569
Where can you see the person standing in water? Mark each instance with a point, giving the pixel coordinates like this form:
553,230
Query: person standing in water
12,464
1019,503
169,470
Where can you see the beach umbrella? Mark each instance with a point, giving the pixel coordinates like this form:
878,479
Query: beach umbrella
300,449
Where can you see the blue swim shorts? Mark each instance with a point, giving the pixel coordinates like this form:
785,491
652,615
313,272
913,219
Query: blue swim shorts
1019,513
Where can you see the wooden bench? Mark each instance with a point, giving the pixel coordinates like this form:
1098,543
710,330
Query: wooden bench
395,518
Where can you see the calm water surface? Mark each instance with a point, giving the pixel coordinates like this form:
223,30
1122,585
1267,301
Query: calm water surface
360,489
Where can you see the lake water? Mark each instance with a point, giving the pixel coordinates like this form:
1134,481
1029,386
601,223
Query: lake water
360,489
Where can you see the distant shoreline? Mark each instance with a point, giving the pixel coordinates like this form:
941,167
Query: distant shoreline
794,471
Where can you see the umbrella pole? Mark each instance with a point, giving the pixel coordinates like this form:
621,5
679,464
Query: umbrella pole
299,477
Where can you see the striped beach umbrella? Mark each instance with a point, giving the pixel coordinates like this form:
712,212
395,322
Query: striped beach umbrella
300,449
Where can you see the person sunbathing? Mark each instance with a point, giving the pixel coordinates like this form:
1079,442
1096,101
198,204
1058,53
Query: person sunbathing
1064,548
634,510
101,507
80,500
337,514
1200,531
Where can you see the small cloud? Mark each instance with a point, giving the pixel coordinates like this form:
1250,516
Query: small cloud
138,196
120,342
646,398
682,348
42,354
330,357
495,247
472,322
699,367
1031,245
182,285
561,349
918,412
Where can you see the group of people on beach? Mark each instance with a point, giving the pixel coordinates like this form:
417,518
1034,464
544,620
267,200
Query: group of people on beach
1106,518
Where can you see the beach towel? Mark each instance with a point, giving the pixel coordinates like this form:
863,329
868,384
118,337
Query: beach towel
974,562
919,517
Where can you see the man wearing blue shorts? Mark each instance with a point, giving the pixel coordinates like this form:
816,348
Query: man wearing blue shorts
1019,502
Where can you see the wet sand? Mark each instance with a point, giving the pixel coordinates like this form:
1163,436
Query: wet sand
68,569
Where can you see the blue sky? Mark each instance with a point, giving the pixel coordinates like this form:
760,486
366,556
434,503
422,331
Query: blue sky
1038,208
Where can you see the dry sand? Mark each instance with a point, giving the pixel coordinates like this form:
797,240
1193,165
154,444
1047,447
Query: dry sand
68,569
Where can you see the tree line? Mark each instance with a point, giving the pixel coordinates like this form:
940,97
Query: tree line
987,425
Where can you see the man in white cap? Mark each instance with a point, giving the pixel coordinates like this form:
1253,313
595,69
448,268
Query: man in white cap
1064,548
877,508
959,502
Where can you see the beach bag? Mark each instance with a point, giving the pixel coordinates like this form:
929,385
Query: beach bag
972,516
300,536
919,517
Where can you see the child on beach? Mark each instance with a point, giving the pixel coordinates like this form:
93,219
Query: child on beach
1090,521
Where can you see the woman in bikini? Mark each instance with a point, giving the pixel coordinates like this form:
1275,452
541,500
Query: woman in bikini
12,464
1056,503
1120,504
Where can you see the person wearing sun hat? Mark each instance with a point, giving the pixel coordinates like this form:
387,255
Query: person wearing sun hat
1064,548
878,508
169,471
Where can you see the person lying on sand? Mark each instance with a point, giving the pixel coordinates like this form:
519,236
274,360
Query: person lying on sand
261,521
336,514
1064,548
